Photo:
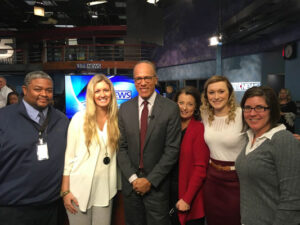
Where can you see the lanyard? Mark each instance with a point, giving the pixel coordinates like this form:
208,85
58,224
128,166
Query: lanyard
43,127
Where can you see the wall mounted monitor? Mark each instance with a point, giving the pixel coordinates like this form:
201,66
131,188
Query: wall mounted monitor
75,91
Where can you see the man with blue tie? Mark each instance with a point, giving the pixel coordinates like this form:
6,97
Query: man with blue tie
32,146
149,147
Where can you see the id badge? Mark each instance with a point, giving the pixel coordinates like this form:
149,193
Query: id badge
42,150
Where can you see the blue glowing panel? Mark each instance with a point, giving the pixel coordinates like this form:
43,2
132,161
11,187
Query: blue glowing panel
75,88
124,88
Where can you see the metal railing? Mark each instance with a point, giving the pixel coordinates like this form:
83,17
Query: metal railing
99,52
89,52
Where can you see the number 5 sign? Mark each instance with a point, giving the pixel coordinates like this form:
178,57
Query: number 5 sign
6,50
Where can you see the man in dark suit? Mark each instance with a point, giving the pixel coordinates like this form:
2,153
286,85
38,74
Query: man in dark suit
149,147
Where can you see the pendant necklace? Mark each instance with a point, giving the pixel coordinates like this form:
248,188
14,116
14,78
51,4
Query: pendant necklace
106,159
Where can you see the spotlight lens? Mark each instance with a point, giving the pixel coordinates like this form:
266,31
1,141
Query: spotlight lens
213,40
39,11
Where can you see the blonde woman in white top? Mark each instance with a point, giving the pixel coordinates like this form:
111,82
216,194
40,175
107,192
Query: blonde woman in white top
90,174
223,124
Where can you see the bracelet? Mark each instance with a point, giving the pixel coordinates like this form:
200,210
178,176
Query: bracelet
64,193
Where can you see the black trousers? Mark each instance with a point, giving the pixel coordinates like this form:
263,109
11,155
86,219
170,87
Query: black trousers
31,215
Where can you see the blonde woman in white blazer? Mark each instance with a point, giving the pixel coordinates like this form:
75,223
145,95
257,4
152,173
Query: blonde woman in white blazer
90,174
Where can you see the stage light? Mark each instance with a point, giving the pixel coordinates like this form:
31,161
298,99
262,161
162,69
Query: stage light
38,8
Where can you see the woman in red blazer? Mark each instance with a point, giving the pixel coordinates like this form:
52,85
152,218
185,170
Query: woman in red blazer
193,159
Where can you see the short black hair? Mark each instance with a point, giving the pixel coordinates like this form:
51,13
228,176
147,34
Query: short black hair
11,93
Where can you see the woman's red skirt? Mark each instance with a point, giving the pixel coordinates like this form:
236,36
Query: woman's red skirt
222,194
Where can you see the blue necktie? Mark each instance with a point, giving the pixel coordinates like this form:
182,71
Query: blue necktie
42,118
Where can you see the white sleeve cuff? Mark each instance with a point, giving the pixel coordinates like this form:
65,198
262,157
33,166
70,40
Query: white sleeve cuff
132,178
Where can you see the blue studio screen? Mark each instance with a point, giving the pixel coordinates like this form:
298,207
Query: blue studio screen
75,88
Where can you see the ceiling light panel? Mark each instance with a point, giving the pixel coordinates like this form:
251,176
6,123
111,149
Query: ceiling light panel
152,1
96,2
31,3
64,26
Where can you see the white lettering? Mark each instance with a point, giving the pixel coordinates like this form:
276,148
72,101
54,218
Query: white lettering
6,51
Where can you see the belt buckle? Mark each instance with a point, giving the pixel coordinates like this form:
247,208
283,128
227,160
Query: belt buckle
222,168
225,168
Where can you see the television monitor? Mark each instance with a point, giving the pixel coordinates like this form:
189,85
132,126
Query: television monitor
75,91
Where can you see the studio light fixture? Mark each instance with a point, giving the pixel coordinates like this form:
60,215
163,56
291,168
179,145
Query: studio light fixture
64,26
153,1
96,2
38,8
215,40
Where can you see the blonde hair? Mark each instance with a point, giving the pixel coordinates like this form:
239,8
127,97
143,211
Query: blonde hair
288,94
206,107
90,122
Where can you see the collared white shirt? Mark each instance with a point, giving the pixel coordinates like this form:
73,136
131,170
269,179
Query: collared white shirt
262,138
141,106
34,113
150,104
4,91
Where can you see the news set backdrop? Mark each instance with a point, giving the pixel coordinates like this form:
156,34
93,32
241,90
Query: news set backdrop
75,90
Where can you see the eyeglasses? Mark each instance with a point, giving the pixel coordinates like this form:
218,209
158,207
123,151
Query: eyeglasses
258,109
147,79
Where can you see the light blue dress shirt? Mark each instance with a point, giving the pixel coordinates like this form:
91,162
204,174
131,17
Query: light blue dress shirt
34,113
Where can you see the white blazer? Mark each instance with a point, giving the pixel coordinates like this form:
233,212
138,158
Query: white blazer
81,165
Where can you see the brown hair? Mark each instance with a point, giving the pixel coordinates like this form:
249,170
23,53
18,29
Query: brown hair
189,90
271,99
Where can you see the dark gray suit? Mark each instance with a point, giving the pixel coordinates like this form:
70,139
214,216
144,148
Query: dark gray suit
160,153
